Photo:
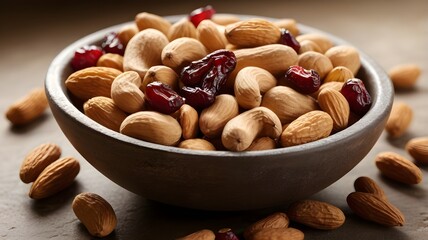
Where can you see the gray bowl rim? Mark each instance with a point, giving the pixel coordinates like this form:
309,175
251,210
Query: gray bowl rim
381,100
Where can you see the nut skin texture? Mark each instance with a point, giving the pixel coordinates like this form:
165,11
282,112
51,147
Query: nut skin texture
247,90
316,214
339,74
197,144
368,185
55,178
95,213
126,93
252,33
189,121
111,60
91,82
213,119
418,149
322,41
145,20
336,105
404,76
275,220
160,73
309,127
208,34
144,50
104,111
373,208
181,52
398,168
346,56
263,143
152,127
316,61
37,160
399,120
203,234
278,234
242,130
287,103
28,108
182,28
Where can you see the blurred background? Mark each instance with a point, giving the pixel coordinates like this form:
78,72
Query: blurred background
33,32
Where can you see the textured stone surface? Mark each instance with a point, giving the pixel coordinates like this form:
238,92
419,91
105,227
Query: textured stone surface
31,36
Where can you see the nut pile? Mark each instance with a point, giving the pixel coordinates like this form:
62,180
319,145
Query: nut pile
212,82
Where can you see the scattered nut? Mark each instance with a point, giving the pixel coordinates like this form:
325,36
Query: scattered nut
275,220
404,76
204,234
399,120
28,108
418,149
368,185
398,168
37,160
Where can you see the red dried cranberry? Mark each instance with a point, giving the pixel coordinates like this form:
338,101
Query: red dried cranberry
197,15
210,72
86,56
112,44
288,39
162,98
357,96
197,97
225,234
302,80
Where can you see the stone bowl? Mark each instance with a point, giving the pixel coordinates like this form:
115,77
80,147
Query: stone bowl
218,180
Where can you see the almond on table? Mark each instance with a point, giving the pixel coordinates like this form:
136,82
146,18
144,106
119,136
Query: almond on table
28,108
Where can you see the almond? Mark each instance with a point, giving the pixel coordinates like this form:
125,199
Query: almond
189,121
95,213
225,19
55,178
247,90
345,56
336,105
322,41
331,85
147,20
339,74
399,120
152,127
404,76
160,73
316,61
37,160
209,35
111,60
316,214
28,108
373,208
309,127
182,28
197,144
126,93
288,23
418,149
252,33
203,234
287,103
127,32
181,52
278,234
398,168
368,185
307,46
104,111
213,118
91,82
275,220
263,143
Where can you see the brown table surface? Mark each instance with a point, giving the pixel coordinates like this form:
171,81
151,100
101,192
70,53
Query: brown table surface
33,32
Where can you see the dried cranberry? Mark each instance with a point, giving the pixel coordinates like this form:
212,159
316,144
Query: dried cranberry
225,234
86,56
197,97
193,74
288,39
197,15
112,44
162,98
357,96
302,80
